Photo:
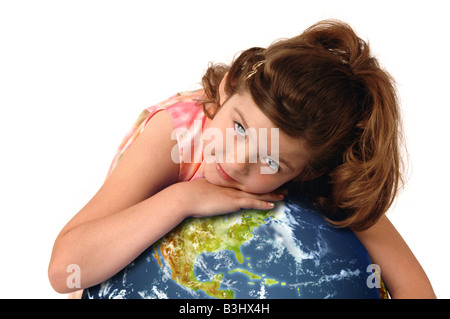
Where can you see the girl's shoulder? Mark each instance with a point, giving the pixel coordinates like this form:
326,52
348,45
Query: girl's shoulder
185,98
184,108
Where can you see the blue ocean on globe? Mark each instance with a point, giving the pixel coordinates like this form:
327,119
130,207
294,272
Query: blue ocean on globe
285,253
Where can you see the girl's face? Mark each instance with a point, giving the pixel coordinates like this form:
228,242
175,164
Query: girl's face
247,163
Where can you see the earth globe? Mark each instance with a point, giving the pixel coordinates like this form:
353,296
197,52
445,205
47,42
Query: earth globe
287,252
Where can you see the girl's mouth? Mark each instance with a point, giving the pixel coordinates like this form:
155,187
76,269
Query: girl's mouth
222,173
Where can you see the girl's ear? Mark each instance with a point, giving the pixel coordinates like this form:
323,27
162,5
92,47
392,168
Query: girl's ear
223,96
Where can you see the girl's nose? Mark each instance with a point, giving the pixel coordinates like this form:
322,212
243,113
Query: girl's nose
241,159
241,168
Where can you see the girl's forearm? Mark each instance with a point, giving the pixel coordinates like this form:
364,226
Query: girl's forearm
400,270
102,247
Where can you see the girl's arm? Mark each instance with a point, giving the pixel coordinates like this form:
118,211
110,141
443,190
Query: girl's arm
138,204
114,225
400,270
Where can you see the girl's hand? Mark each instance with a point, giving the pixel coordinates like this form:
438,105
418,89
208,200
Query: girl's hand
201,198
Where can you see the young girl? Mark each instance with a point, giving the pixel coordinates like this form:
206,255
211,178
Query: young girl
338,141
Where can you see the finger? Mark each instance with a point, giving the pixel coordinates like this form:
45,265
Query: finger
252,203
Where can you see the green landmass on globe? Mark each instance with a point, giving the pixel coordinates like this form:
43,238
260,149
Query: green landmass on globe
181,247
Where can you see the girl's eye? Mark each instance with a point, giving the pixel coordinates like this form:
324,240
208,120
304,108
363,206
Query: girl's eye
272,164
239,129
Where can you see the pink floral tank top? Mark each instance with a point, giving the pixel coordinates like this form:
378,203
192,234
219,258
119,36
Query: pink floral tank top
189,121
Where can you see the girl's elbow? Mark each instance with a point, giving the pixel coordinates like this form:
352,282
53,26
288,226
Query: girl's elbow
64,279
55,278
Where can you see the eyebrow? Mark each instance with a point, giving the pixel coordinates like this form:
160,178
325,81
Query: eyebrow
246,125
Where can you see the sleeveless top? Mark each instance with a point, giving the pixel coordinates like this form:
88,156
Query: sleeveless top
189,122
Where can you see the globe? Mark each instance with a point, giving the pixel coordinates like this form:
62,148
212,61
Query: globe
284,253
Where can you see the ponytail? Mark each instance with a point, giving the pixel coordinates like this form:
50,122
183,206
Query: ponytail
367,178
366,182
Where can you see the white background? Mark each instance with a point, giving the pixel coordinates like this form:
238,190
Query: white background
75,74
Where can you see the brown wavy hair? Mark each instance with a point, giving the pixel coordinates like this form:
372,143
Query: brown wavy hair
325,87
